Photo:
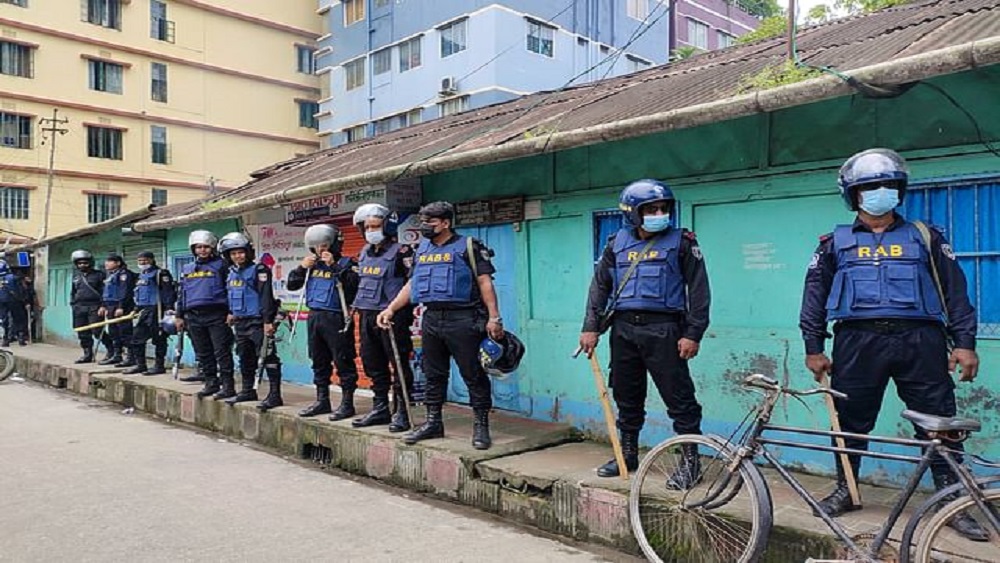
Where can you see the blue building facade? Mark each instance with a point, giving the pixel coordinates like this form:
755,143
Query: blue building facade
386,64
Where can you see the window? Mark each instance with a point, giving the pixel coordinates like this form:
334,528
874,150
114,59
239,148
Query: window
15,131
382,3
21,3
454,105
356,133
967,212
158,72
103,207
637,9
354,11
697,34
398,121
16,59
409,54
14,202
726,39
304,55
106,77
382,61
354,74
104,142
307,114
540,38
453,38
604,224
160,27
635,63
159,150
105,13
158,197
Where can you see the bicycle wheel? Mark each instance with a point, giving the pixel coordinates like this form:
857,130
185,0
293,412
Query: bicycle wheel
725,518
937,542
6,364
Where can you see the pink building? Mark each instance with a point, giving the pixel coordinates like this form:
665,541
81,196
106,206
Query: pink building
709,24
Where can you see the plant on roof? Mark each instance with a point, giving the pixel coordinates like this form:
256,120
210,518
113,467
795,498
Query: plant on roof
772,76
685,52
776,24
217,204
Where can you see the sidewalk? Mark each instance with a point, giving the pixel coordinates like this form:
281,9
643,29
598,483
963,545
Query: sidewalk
537,473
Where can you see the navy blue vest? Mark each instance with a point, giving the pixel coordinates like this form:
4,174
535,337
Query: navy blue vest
884,276
321,291
440,275
147,288
204,284
244,301
8,288
380,282
116,286
657,283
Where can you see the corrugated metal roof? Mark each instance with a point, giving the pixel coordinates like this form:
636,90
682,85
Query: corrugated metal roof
845,44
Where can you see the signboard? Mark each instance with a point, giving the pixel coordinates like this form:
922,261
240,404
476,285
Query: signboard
489,211
282,248
398,197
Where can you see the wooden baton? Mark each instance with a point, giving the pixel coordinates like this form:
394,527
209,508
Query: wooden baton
852,483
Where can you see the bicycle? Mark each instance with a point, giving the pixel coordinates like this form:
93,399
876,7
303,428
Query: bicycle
6,363
727,515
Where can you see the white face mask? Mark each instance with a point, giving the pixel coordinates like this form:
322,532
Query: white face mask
374,237
145,267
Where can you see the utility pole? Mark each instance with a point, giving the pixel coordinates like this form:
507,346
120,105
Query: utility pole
791,30
51,126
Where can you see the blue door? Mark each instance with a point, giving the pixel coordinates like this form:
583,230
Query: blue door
506,392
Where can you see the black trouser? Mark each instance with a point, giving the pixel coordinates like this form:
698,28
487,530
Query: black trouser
212,340
915,358
455,333
84,315
147,327
15,319
376,350
120,333
249,340
327,344
647,342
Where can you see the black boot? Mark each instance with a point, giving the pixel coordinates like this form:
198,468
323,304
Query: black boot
87,357
211,386
346,408
196,377
5,343
965,525
433,427
401,418
481,429
247,392
138,357
128,359
378,415
228,387
112,357
839,501
273,398
158,368
630,451
322,404
688,473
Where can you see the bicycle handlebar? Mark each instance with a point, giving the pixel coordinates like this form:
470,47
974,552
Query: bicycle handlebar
762,381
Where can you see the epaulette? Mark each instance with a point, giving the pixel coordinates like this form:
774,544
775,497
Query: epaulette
689,235
825,237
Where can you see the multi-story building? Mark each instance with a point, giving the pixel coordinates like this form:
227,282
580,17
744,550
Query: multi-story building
386,64
162,101
709,24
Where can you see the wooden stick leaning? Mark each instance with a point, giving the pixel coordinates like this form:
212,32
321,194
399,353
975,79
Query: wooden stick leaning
302,300
609,415
400,377
852,482
107,322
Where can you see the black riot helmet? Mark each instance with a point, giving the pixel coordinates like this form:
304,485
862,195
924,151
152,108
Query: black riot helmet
82,257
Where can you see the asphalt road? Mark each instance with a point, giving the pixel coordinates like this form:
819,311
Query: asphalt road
80,481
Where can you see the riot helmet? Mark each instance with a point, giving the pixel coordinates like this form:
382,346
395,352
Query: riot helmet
873,167
390,221
82,256
501,357
235,241
329,235
202,236
639,193
167,323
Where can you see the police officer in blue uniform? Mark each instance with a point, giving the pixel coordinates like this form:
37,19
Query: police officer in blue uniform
12,303
202,309
461,309
384,267
117,301
652,280
332,284
85,293
154,293
252,312
874,279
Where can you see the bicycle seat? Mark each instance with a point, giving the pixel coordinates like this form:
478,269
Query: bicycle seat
935,423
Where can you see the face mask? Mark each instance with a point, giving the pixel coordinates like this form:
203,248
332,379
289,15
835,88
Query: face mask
144,267
880,201
427,231
655,223
374,237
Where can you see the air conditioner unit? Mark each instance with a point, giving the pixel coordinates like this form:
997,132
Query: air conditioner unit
448,86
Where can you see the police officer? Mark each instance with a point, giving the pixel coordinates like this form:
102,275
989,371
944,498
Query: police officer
252,309
154,293
652,280
875,280
12,303
85,295
383,268
117,301
453,278
330,288
202,309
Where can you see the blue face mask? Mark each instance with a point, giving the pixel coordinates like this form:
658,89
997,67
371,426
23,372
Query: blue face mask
880,201
655,223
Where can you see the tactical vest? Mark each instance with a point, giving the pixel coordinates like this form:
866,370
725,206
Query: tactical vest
116,286
8,288
440,275
882,276
321,291
147,288
204,284
244,301
88,287
379,283
657,283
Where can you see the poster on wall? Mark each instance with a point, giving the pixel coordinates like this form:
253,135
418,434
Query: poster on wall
281,247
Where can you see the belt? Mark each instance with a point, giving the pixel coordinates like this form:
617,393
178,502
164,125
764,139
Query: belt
648,317
886,326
